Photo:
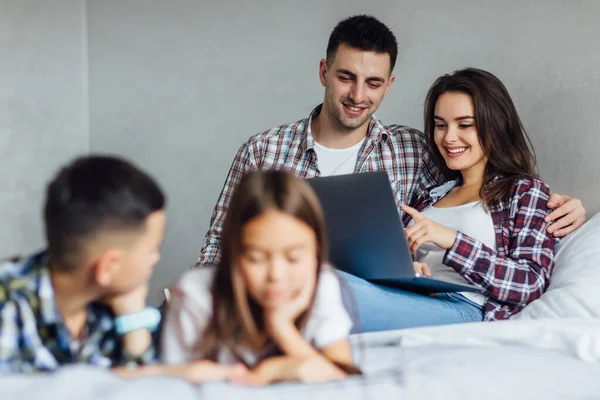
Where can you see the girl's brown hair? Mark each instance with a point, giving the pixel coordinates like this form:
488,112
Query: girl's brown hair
237,320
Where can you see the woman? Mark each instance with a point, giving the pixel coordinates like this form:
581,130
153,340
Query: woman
486,227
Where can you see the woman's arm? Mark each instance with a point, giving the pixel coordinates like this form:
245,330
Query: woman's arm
524,273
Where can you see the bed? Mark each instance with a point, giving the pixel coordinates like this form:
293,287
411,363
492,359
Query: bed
550,359
550,350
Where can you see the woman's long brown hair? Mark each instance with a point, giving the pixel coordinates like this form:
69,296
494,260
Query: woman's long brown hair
237,320
501,133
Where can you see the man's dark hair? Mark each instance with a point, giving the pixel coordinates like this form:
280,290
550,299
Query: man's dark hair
366,33
95,195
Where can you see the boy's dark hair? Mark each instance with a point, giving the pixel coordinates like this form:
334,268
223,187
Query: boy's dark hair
92,195
366,33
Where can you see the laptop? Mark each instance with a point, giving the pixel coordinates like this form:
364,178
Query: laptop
366,234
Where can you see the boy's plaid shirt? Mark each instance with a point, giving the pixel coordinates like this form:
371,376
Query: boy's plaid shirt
398,150
33,336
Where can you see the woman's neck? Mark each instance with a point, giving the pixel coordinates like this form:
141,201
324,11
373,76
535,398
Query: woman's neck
472,180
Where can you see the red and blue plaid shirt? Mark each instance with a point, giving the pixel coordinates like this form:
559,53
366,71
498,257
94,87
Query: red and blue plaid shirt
33,335
398,150
519,270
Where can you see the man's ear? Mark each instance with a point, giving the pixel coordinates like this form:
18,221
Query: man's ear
106,268
391,81
323,72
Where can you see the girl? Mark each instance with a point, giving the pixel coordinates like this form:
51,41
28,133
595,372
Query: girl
486,226
272,304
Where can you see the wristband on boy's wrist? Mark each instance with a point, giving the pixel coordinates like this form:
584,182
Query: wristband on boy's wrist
149,318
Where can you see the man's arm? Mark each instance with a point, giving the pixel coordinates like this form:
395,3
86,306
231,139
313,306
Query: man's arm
211,248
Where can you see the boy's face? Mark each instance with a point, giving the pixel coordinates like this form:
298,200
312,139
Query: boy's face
136,261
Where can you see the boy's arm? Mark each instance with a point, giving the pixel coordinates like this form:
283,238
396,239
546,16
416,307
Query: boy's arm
137,345
11,354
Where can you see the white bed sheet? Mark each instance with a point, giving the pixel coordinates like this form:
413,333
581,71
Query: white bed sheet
501,360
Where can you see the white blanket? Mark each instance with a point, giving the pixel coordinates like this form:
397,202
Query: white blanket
579,338
500,360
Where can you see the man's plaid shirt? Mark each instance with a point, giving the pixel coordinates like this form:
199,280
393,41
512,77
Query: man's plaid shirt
398,150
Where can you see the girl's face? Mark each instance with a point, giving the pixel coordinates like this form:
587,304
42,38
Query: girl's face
455,133
278,257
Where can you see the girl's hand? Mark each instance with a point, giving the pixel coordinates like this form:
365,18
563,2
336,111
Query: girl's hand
421,268
286,368
287,312
425,230
203,371
194,372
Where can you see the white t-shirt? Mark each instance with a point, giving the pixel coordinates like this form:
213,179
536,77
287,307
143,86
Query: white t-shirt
470,219
337,161
190,308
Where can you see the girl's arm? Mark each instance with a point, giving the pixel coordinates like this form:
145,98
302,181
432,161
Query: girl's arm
187,314
291,342
195,372
327,354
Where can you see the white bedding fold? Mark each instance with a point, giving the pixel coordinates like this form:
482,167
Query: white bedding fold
576,337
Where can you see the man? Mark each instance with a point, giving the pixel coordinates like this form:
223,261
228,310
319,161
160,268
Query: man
342,136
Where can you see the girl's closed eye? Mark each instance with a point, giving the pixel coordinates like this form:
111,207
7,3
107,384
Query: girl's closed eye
254,257
296,257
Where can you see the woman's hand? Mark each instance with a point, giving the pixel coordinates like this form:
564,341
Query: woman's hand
421,268
425,230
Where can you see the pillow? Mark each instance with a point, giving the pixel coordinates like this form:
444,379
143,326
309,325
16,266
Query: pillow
574,290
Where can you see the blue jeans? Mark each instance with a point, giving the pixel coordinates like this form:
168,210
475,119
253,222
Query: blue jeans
375,307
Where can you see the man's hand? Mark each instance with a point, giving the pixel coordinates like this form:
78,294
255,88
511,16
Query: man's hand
568,215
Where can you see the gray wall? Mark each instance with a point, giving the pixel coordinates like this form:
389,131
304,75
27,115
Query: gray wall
43,108
178,85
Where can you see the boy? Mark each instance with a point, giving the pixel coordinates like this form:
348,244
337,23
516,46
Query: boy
83,300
